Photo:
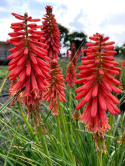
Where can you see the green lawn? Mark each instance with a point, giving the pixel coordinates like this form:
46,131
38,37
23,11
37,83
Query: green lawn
3,71
63,64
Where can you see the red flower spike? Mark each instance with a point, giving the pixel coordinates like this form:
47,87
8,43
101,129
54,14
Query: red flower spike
98,83
67,53
51,33
71,68
123,64
56,87
73,57
82,51
70,75
25,64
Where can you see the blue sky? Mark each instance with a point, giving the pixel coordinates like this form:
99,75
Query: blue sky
88,16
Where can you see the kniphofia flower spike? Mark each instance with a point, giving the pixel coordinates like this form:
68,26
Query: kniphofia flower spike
97,71
56,87
71,68
73,56
28,64
67,53
51,33
70,75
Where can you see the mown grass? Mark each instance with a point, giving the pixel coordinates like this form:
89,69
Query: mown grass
3,71
63,64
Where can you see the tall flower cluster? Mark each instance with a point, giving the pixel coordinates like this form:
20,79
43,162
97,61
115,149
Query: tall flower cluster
123,64
70,75
67,53
51,33
55,88
82,51
56,82
28,65
97,71
71,68
73,57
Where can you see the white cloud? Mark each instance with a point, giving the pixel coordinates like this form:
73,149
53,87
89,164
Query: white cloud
96,15
5,28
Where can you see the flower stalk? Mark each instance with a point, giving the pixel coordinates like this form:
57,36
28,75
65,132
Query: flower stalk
27,123
111,118
62,119
99,153
44,145
77,132
70,112
59,136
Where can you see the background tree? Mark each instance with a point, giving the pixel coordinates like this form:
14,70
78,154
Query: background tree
122,49
76,37
63,30
117,49
67,38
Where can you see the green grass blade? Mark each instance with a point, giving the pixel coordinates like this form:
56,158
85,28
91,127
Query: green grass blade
5,163
4,80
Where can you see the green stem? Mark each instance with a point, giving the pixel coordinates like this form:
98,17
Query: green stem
59,136
27,123
99,153
44,145
111,118
77,132
1,87
70,102
70,112
62,118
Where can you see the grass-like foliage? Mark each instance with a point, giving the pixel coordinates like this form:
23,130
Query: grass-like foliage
20,145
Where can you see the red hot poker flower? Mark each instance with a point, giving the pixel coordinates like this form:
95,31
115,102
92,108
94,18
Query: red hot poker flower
73,57
56,87
51,33
27,63
98,83
122,138
123,64
82,51
71,68
70,75
67,53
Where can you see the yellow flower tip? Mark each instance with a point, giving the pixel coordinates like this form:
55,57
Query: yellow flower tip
36,93
104,127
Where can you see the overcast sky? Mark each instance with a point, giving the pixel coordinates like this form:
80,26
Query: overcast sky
88,16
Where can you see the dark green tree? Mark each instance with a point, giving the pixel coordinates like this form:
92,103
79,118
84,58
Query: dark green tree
63,31
117,50
76,37
122,49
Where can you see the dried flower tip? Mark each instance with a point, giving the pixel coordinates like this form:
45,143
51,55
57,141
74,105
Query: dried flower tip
99,137
76,115
122,139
